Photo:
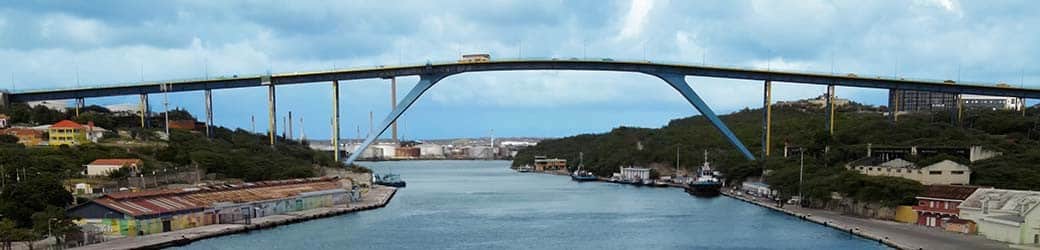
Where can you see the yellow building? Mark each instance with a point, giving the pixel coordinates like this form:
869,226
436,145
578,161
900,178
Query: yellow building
68,133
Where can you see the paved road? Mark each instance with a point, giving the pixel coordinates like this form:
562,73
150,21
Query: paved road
908,236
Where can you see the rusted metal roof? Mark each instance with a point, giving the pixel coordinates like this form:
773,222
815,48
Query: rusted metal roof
161,201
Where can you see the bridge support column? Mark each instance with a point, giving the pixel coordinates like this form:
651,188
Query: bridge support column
80,104
272,115
393,105
144,110
209,113
830,109
335,120
767,116
893,104
960,110
425,82
678,82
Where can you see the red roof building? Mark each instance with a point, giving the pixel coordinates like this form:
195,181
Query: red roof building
67,124
937,205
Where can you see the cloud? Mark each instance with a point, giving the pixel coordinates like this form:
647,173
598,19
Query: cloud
635,18
45,44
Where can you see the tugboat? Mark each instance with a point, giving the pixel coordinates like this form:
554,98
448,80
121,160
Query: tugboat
707,183
392,180
580,175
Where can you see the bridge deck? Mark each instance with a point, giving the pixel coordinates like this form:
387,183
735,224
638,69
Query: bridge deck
451,68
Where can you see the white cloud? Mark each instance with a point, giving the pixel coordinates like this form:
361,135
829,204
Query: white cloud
635,19
951,6
70,29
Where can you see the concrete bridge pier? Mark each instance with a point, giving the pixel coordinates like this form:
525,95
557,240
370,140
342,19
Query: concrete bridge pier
767,117
272,115
144,110
4,99
830,109
678,82
893,104
209,113
80,104
425,83
335,120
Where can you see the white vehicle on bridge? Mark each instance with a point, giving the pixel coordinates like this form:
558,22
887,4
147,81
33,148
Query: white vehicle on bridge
475,58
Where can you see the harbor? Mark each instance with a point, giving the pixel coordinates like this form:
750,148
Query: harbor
485,205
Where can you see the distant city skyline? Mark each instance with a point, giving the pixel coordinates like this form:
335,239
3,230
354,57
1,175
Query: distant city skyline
80,44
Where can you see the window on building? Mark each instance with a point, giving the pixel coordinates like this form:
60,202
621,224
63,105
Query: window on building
946,205
899,170
931,204
934,172
957,172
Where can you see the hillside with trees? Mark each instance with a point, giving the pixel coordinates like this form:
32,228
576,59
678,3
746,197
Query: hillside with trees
33,180
804,126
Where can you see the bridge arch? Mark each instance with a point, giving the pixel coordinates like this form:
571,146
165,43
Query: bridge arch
675,80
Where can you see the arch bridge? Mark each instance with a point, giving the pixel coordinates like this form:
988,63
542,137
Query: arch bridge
432,73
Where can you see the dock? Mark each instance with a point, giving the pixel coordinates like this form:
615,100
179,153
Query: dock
377,197
892,234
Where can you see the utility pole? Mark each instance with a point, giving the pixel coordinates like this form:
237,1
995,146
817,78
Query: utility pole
801,171
290,127
677,160
252,121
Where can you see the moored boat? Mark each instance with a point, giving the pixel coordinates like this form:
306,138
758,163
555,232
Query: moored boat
707,183
392,180
580,174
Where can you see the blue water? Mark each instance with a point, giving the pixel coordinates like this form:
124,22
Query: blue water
484,205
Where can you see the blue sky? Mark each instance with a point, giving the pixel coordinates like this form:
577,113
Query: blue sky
49,44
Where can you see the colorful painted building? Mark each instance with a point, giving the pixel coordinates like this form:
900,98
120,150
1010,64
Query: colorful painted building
937,207
164,210
68,133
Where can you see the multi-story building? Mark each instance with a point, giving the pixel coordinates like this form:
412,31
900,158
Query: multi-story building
67,132
984,102
926,101
937,207
946,172
918,101
1005,215
635,173
542,163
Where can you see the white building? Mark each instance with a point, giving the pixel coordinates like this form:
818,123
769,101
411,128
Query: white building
1004,215
4,121
387,150
430,150
634,173
942,173
102,167
55,105
991,102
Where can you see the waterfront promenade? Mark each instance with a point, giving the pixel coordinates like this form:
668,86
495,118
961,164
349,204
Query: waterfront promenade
377,197
894,234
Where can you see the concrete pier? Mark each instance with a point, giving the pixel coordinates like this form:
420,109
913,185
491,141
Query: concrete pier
377,197
209,113
893,234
